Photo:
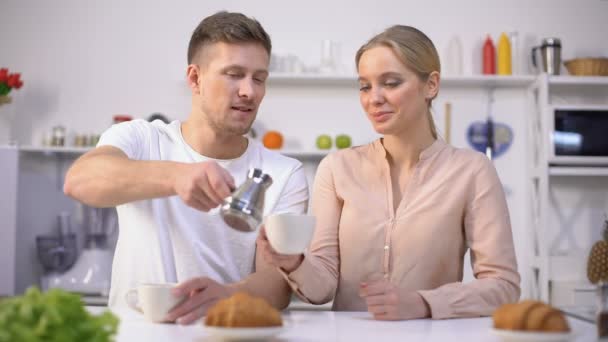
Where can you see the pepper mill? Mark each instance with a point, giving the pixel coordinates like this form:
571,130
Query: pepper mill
243,209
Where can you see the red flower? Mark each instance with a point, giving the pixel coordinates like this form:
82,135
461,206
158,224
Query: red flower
9,81
3,75
13,79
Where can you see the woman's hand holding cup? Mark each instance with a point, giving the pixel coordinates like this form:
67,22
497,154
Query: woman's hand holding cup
283,239
287,262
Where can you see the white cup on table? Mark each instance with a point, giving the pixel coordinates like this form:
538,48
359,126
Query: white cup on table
289,233
154,301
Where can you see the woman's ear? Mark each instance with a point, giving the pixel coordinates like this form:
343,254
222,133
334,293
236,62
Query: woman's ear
192,76
432,85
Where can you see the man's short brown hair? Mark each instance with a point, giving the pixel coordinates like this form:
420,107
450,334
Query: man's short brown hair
227,27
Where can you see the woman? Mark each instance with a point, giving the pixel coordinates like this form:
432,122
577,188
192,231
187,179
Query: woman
395,217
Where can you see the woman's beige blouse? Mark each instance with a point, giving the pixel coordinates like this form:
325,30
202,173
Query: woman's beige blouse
453,201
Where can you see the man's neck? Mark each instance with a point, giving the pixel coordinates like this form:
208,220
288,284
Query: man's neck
204,140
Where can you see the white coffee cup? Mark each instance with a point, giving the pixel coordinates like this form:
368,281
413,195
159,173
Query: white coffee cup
153,300
289,233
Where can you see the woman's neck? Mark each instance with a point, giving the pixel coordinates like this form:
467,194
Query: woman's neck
403,150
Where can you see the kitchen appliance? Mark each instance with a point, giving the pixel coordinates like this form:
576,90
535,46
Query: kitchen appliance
577,135
90,274
243,209
551,56
57,252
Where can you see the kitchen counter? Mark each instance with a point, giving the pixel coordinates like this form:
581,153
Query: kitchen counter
336,326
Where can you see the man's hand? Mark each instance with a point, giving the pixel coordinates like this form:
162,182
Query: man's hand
387,302
201,293
287,263
203,186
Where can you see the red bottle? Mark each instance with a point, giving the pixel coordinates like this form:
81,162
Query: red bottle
489,57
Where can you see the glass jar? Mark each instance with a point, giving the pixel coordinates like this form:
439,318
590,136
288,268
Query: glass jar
58,137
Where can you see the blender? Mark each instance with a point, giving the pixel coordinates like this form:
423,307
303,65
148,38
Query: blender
90,274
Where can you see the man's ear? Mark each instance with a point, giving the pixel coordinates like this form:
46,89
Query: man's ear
192,75
432,85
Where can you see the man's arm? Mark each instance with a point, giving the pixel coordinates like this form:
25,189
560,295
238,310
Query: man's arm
106,177
265,282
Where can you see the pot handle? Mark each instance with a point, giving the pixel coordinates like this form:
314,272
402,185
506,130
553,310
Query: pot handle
534,56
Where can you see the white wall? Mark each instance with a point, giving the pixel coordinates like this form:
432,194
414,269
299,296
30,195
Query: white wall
83,62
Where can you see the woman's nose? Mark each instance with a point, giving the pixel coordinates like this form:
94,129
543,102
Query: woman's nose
376,96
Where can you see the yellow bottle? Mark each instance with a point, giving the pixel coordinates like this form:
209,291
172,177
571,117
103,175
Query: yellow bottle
504,55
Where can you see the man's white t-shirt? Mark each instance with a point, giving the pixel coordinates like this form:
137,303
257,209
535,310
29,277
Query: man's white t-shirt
202,244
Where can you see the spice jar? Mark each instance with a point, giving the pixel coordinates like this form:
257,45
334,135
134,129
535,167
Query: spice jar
58,138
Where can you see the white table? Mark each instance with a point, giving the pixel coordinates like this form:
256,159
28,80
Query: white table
336,326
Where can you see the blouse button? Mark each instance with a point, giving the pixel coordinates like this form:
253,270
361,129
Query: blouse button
386,248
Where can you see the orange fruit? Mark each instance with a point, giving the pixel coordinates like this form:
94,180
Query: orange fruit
273,140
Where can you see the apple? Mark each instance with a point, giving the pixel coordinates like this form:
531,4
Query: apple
324,142
343,141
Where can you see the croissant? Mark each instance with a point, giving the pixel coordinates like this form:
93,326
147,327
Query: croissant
530,315
243,310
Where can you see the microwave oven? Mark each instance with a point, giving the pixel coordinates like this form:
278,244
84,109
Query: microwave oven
578,136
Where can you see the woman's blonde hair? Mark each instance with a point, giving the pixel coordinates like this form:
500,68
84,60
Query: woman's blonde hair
416,51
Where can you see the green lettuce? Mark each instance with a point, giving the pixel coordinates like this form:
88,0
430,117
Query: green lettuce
53,316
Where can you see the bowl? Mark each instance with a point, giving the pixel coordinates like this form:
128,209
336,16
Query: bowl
587,66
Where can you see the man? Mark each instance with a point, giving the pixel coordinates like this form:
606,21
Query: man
167,180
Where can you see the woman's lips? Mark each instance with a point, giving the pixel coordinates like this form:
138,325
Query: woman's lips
381,116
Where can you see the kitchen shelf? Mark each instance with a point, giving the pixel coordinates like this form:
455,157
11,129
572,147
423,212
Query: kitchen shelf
312,154
492,81
579,80
578,171
55,149
552,272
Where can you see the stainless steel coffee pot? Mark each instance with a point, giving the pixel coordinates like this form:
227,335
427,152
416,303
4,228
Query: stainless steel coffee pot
243,210
551,55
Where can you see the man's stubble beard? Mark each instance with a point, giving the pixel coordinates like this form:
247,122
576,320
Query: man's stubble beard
221,128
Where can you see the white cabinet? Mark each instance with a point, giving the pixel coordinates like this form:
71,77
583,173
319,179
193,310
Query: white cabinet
8,223
568,202
30,200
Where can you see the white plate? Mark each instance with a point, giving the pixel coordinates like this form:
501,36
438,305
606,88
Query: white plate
243,334
526,336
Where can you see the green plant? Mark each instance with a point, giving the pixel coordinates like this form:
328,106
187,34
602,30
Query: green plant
53,316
